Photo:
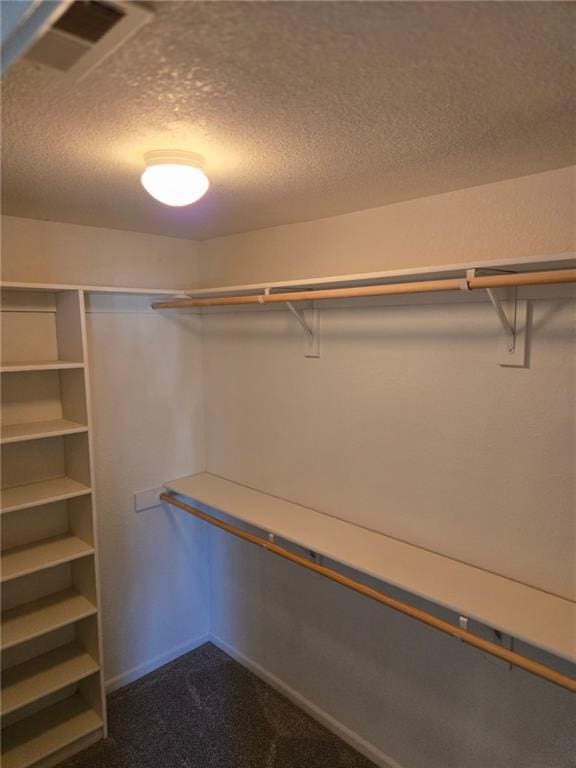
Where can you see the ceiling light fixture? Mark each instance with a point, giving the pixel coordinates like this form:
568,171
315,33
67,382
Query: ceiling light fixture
174,177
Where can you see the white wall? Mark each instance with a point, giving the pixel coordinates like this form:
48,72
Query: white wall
514,218
397,688
51,252
405,424
408,426
148,426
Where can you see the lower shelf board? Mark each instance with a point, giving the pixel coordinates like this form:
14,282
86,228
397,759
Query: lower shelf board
43,675
44,615
36,430
44,733
38,365
43,492
46,553
538,618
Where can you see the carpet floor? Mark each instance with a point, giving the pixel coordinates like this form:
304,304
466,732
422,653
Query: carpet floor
205,710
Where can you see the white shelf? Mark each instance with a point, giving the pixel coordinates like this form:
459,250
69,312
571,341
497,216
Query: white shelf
58,287
536,617
36,430
29,558
560,260
564,260
37,737
38,365
44,615
46,461
44,492
43,675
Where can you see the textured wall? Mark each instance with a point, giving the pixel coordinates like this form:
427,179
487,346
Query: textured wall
405,423
148,426
515,218
421,698
50,252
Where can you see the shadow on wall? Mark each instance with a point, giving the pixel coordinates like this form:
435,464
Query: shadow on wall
419,697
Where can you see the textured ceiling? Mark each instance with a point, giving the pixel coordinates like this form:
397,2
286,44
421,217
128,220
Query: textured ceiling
301,109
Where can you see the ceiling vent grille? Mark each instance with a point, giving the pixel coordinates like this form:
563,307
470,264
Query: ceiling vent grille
87,33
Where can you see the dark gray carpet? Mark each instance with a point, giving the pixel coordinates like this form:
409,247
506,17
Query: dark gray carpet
204,710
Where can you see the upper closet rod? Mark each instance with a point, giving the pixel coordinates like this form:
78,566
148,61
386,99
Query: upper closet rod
468,283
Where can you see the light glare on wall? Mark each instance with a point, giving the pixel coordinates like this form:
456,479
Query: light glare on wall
174,177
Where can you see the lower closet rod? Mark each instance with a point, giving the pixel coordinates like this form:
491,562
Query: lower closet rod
470,638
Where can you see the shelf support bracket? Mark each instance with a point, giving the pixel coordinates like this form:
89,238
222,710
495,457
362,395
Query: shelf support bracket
312,335
513,317
300,317
508,323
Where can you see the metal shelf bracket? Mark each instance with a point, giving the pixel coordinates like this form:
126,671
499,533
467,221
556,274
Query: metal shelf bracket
300,317
513,317
506,312
312,339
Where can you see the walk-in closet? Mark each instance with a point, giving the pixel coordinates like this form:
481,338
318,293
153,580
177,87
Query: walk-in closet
288,384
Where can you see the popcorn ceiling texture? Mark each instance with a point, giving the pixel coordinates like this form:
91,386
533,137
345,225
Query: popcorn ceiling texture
302,110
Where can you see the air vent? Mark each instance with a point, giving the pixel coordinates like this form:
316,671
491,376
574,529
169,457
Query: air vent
86,34
88,20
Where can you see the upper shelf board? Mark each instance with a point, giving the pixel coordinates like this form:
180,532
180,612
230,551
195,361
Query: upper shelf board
529,614
57,287
565,260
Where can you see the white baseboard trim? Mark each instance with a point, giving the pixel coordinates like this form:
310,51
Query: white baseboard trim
335,726
149,666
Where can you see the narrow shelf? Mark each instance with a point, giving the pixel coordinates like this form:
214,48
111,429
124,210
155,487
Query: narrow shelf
41,735
36,430
539,618
44,615
44,492
563,260
46,553
38,365
43,675
57,287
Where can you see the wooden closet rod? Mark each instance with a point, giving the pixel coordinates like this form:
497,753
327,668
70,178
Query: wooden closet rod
424,286
516,659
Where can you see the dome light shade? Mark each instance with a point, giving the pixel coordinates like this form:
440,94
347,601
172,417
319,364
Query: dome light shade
174,177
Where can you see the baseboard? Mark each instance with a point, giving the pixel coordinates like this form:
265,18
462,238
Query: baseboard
335,726
158,661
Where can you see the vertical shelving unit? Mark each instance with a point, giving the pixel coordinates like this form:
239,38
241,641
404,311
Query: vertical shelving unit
53,701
